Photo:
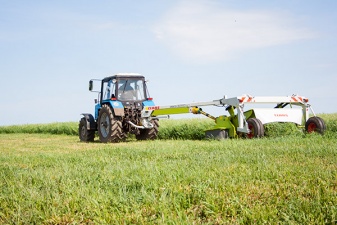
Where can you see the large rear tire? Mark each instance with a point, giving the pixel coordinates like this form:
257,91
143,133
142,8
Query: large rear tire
315,124
256,128
85,134
109,128
149,134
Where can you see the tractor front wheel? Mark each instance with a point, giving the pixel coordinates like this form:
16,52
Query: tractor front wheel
149,134
85,134
256,128
315,124
109,128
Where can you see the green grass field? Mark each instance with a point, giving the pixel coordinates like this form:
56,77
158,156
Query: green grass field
49,177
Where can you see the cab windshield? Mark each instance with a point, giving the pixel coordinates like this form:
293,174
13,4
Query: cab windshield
130,89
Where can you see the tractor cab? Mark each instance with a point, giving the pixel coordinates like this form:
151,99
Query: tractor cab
125,88
121,91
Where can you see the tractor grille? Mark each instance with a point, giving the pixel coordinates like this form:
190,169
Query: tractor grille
132,112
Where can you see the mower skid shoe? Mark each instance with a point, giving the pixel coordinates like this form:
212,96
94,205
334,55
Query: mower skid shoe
217,134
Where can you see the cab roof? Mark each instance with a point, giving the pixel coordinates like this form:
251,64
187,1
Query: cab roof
124,75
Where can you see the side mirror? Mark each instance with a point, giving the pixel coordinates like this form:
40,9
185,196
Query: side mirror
91,84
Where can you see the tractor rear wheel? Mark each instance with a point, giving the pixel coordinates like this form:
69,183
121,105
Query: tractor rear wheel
109,128
315,124
256,128
85,134
149,134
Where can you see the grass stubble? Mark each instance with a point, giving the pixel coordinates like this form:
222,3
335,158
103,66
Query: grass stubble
55,179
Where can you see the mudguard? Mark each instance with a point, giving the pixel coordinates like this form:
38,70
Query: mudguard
91,123
116,106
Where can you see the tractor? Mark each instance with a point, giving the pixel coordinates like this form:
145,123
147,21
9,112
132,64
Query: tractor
119,109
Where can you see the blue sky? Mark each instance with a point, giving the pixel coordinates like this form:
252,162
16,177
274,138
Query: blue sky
191,51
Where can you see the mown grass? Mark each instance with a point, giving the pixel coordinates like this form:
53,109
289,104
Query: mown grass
55,179
282,179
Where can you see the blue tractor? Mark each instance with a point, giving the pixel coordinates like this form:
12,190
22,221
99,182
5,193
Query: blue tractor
118,110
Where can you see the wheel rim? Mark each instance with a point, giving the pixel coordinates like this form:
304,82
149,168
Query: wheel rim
105,125
312,127
252,131
83,131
